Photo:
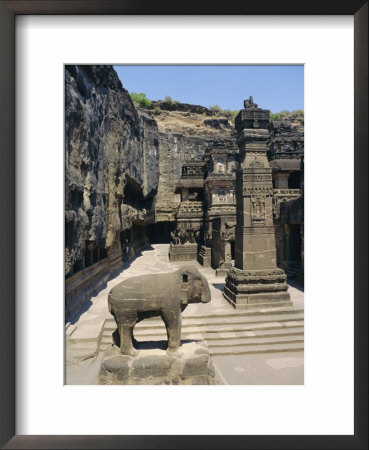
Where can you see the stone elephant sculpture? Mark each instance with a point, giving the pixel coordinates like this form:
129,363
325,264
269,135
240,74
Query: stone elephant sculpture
165,295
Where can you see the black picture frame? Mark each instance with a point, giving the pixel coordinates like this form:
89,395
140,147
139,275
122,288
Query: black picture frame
8,11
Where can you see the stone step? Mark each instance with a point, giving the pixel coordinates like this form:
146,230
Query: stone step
216,328
274,332
254,341
205,322
213,335
231,313
248,349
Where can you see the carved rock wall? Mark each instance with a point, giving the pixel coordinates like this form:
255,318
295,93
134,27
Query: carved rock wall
106,140
174,150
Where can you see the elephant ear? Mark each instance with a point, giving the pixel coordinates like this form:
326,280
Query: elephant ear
184,288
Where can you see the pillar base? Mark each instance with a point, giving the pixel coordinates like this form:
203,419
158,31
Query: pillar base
257,289
204,256
223,268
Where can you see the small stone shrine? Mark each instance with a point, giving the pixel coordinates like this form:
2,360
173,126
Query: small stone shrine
255,282
189,218
219,206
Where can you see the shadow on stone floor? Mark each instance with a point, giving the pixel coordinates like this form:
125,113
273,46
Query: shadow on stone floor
219,286
161,345
295,284
73,318
85,306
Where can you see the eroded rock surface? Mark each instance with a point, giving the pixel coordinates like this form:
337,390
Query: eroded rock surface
107,142
154,366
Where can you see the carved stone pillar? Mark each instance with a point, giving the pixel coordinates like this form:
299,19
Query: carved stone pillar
255,282
227,252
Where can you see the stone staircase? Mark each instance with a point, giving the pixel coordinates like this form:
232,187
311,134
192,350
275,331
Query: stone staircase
231,333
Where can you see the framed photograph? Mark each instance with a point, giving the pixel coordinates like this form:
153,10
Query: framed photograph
60,62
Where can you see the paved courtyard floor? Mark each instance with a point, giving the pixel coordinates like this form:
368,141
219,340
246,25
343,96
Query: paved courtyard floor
279,368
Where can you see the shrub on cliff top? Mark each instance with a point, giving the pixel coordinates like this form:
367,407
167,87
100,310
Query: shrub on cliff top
230,114
216,109
298,113
140,99
169,100
156,110
275,116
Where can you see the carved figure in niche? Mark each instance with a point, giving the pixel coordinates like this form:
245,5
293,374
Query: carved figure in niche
182,236
258,209
193,236
175,237
161,295
220,167
232,167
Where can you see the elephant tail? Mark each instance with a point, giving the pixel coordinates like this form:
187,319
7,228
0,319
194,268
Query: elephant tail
109,303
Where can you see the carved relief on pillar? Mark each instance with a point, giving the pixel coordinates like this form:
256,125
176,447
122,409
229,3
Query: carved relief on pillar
256,163
255,281
227,252
258,209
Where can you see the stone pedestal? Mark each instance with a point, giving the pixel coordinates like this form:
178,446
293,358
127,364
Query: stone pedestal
256,289
182,252
223,268
154,366
204,256
255,282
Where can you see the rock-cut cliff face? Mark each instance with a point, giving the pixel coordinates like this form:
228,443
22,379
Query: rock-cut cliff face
108,144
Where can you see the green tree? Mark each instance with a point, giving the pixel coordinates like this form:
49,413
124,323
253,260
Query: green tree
156,110
140,99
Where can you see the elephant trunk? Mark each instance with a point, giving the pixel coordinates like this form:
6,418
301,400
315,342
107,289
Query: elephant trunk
206,295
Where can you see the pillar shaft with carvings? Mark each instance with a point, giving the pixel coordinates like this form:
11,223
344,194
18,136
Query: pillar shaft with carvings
255,282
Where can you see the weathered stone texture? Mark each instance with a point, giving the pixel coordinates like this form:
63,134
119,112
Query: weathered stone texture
106,141
166,295
153,367
175,150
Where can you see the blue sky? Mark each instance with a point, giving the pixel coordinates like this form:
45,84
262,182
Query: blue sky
273,87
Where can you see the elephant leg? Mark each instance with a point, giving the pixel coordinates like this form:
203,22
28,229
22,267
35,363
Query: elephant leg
173,323
126,334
